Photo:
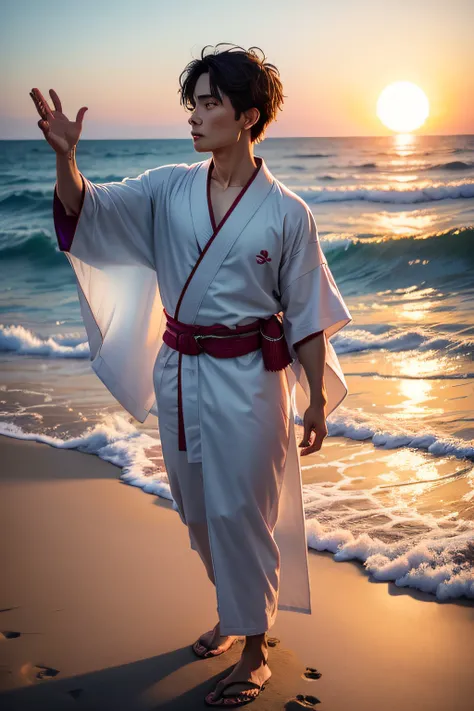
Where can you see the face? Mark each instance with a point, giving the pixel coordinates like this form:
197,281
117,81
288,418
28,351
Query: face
215,121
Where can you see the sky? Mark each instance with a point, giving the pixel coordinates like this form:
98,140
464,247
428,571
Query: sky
122,59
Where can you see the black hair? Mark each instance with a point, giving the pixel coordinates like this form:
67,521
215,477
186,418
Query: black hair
247,80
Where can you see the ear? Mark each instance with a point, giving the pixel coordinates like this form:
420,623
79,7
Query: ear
251,118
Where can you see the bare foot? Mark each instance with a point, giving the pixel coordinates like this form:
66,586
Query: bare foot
248,668
214,641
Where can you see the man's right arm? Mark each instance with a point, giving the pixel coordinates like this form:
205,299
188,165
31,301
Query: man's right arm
69,183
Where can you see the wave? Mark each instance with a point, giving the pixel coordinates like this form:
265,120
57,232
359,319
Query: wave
434,563
36,245
311,155
19,181
456,165
22,341
398,340
398,197
360,427
415,154
435,560
440,258
19,200
452,165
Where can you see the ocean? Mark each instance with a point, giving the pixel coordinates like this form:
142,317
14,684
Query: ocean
393,486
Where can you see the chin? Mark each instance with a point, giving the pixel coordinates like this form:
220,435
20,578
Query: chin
199,148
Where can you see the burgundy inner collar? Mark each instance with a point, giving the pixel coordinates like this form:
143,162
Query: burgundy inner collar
259,161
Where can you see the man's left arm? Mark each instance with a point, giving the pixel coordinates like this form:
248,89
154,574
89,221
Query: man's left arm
313,311
312,356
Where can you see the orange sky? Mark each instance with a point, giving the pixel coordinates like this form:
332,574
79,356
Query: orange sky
122,60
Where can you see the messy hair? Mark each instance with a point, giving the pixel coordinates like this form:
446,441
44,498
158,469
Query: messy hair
247,80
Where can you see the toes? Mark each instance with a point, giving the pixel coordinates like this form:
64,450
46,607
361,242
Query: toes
215,652
232,691
221,648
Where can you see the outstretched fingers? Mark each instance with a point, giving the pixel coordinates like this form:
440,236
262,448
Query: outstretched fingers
80,114
56,100
41,104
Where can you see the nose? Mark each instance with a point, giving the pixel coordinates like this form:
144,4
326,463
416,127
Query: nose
192,121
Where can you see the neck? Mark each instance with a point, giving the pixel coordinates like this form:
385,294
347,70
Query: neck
232,166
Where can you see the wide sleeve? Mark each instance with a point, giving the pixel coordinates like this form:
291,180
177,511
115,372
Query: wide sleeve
114,223
112,246
311,303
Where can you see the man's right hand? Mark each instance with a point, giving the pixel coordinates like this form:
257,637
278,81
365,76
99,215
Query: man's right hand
61,134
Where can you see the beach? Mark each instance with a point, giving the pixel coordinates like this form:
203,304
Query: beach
102,598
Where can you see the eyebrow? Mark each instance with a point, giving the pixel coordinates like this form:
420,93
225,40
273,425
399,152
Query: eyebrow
206,96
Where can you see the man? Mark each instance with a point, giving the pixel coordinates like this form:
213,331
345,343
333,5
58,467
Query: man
224,247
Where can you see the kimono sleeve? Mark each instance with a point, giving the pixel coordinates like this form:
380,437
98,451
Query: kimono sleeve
114,224
311,303
112,245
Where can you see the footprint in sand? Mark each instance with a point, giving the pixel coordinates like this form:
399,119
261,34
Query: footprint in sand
75,693
32,672
7,634
302,701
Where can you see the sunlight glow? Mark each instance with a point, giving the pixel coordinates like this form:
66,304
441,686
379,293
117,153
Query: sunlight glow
403,107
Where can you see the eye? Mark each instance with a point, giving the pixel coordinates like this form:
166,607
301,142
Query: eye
210,103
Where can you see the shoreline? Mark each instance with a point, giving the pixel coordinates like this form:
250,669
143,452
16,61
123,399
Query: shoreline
104,589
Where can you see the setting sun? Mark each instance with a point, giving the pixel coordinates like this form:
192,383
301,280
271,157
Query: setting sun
403,106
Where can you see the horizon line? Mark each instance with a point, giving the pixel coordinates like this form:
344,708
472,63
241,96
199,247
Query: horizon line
270,138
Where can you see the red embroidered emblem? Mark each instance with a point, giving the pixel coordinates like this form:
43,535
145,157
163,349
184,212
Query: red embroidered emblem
263,257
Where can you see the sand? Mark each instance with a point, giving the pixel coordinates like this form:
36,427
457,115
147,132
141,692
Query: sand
102,596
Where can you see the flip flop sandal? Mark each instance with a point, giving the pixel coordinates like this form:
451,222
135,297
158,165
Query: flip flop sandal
210,652
239,698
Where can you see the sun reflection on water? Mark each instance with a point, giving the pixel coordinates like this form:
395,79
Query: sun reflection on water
404,223
405,466
404,143
420,365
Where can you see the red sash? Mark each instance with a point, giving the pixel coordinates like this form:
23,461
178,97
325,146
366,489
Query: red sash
223,342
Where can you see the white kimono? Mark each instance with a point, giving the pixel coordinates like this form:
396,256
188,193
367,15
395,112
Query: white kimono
238,484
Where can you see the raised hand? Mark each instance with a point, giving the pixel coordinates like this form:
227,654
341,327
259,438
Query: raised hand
61,133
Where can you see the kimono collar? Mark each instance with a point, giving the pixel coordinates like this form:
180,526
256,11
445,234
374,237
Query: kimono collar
250,201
